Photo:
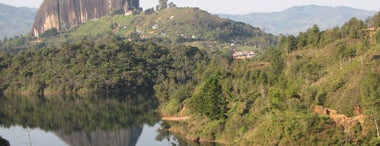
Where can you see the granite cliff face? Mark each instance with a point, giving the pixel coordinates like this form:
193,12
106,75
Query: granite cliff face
65,14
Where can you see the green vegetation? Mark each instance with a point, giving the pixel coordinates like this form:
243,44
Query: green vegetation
169,26
103,25
210,101
96,66
17,44
268,100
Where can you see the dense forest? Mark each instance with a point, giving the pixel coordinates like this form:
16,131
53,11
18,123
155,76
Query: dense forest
318,88
89,66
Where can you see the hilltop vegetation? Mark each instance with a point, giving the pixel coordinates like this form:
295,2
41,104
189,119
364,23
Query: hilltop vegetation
167,26
175,25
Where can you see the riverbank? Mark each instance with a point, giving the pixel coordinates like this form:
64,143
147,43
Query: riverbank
179,132
175,118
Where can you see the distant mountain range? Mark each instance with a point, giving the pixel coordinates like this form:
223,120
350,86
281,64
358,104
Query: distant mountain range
300,18
15,21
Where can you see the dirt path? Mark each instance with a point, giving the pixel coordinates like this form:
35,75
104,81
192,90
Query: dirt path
175,118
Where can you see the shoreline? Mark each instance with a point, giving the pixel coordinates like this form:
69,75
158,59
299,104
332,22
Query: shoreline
175,118
182,135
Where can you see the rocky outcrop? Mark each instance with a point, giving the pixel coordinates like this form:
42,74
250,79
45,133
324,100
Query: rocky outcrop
65,14
340,119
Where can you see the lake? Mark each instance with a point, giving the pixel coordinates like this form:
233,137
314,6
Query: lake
111,120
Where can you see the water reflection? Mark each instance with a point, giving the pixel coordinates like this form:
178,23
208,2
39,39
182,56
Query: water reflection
127,137
4,142
83,120
78,113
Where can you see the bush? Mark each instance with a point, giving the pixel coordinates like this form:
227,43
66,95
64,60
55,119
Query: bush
50,33
344,52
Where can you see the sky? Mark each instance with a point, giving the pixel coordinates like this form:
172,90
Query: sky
236,6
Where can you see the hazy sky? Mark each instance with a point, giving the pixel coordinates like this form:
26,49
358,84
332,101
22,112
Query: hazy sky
237,6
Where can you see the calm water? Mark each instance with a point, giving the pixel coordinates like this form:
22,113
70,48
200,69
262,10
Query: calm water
79,121
19,136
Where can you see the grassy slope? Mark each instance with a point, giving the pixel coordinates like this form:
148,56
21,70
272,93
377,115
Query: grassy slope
101,26
189,26
177,26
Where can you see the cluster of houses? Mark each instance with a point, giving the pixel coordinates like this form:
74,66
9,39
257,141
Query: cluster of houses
243,54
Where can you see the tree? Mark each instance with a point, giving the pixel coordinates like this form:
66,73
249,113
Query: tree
210,101
149,11
274,56
370,92
162,4
288,44
353,28
313,36
172,5
301,41
376,20
344,52
377,37
50,33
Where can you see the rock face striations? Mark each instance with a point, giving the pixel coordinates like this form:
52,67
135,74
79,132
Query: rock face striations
126,137
65,14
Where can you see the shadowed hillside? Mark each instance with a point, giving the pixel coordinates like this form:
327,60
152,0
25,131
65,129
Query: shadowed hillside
15,21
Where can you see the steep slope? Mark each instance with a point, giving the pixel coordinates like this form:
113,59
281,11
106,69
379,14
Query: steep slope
15,21
63,15
314,89
298,19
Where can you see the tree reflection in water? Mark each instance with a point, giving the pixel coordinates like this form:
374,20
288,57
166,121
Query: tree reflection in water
3,142
83,120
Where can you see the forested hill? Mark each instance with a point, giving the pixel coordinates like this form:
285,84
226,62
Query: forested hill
300,18
174,25
15,21
317,88
89,66
167,26
121,52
